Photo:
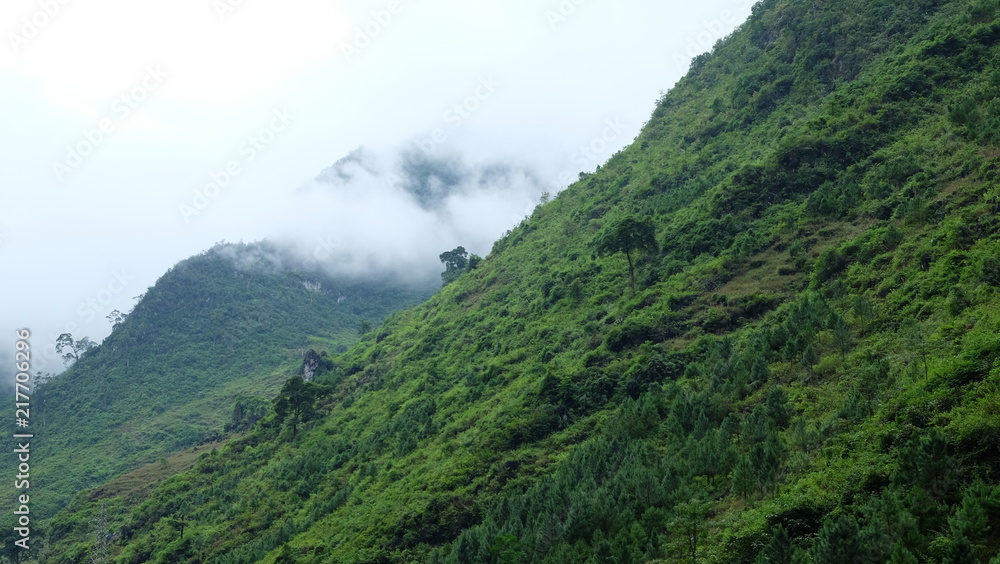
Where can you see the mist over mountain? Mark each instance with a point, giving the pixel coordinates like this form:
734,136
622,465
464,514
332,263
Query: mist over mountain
375,213
394,211
766,331
219,330
7,373
224,83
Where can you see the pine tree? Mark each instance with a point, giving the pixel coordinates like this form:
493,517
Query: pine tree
777,407
960,552
629,544
915,341
285,556
760,371
802,438
809,359
689,520
902,555
864,311
766,459
778,550
744,483
843,338
837,542
971,521
729,429
756,427
296,401
549,535
925,462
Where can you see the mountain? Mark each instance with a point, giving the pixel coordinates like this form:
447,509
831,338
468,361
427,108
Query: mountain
766,331
227,326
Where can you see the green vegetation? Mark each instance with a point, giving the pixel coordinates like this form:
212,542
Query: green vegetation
805,369
74,348
202,353
627,235
456,262
296,402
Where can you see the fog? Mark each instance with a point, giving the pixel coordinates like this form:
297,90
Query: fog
390,214
365,136
396,212
7,373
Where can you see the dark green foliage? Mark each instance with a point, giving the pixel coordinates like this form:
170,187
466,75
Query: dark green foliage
779,550
185,363
296,402
838,542
627,235
843,337
457,261
247,411
991,271
777,408
744,478
925,463
804,371
75,349
633,333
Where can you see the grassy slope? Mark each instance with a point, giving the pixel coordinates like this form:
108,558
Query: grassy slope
168,376
808,361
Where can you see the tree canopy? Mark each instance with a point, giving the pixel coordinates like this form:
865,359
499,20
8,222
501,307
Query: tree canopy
627,235
296,401
457,261
74,349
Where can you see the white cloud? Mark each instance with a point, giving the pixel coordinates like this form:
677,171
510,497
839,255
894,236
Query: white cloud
119,207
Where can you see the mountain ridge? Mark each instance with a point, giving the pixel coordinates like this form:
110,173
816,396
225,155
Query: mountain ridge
804,368
166,377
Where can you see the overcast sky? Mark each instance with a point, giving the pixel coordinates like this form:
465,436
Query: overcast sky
138,133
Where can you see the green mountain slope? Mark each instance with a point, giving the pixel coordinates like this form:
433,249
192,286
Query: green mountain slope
227,325
804,371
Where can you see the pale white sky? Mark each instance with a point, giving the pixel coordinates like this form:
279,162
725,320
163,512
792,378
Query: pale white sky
116,115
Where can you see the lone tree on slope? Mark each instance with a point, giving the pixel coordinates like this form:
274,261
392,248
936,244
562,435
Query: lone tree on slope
296,403
457,261
454,263
74,349
627,235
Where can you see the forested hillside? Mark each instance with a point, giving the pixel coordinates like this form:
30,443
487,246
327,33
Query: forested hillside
767,331
227,326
